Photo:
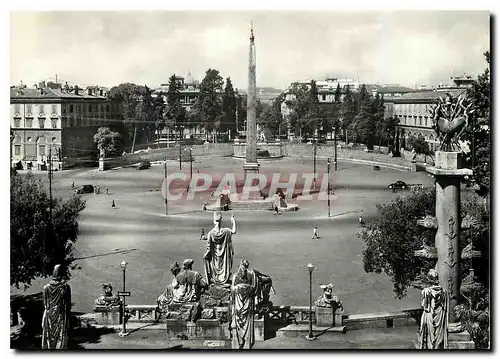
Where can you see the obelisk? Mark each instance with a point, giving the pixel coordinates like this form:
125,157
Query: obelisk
251,166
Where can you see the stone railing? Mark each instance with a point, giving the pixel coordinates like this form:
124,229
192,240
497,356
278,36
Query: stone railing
292,314
142,313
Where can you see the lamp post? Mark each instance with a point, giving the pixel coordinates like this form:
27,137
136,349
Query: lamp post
180,148
328,184
124,332
190,149
314,162
335,150
310,336
166,185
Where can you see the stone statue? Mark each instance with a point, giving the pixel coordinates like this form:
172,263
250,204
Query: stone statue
328,299
218,258
187,286
190,284
434,323
107,299
169,293
244,288
450,119
56,316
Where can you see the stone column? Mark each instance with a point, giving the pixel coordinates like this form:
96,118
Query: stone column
251,167
448,173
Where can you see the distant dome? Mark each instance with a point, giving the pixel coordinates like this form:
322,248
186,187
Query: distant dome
190,79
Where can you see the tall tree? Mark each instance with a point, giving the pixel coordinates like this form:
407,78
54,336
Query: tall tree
106,140
478,133
134,104
38,242
298,104
348,111
209,102
229,105
365,119
159,114
175,113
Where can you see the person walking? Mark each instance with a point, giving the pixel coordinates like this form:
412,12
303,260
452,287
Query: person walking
98,189
107,190
361,221
113,205
276,210
315,232
73,184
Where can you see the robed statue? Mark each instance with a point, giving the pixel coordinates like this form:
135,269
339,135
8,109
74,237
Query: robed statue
434,323
218,258
244,289
56,316
187,286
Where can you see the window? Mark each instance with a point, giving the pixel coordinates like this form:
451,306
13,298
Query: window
17,108
71,108
54,109
107,108
41,123
17,122
41,149
63,108
28,139
17,150
420,120
90,108
54,124
323,97
41,109
54,140
29,122
29,109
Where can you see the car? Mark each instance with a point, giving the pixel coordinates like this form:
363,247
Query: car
87,188
398,184
144,165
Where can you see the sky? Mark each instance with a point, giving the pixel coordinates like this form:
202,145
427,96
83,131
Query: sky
108,48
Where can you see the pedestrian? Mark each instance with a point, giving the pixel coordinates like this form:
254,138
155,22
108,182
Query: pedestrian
276,210
113,205
73,184
98,189
315,232
107,190
95,189
361,221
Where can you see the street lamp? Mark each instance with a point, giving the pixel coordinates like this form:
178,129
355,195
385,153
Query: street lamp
124,332
335,144
190,149
328,184
315,144
310,336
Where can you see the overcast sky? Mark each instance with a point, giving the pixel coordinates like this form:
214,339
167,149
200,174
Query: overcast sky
108,48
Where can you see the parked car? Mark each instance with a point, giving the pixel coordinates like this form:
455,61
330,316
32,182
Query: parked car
398,185
87,188
144,165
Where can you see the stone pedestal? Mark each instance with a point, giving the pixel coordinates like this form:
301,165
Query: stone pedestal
108,315
329,317
101,164
448,173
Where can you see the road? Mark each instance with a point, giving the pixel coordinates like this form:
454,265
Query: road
139,232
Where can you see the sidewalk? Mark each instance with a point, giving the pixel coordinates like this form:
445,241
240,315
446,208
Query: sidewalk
376,338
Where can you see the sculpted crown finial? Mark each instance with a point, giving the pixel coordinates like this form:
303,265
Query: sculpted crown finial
251,32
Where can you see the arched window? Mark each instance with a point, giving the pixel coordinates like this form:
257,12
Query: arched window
54,139
29,139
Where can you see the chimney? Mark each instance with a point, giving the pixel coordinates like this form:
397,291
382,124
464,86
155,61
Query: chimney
76,89
101,92
89,91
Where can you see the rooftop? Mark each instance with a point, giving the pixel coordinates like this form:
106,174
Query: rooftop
50,93
394,89
431,94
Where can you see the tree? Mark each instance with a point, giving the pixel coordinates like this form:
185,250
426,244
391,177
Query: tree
159,114
135,107
364,121
314,115
38,242
241,116
271,118
175,113
229,105
388,132
106,141
420,145
348,110
209,104
298,105
478,131
393,235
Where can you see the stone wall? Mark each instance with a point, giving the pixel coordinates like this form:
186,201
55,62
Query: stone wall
218,149
275,149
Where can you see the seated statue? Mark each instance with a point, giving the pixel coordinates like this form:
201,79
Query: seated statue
190,284
107,299
264,288
328,299
169,293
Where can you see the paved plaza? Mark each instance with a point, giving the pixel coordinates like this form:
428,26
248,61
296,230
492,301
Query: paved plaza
139,232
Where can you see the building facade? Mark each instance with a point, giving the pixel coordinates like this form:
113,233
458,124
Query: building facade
413,109
57,122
